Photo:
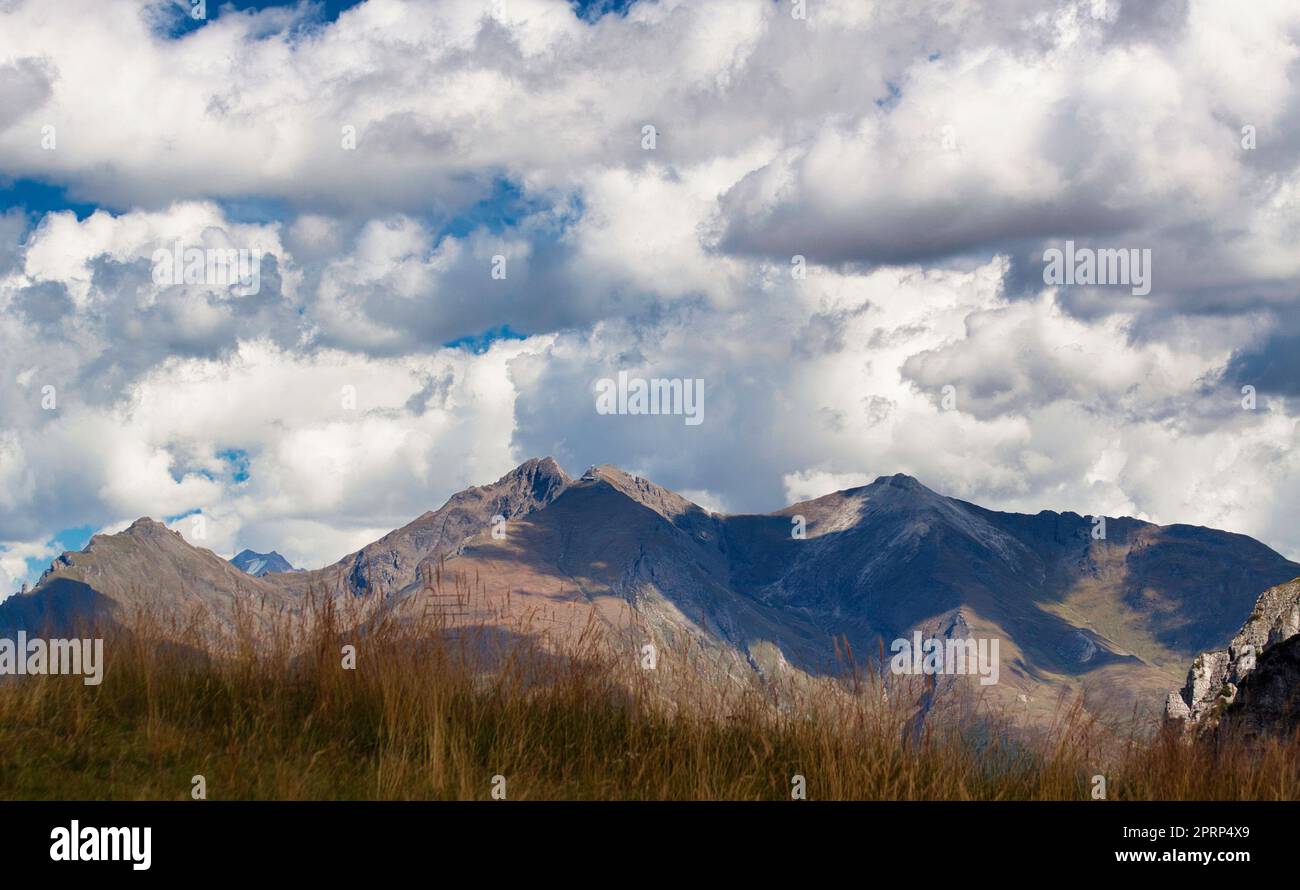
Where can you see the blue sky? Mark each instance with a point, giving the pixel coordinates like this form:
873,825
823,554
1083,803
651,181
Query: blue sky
36,198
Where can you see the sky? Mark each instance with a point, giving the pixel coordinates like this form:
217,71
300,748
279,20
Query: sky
839,224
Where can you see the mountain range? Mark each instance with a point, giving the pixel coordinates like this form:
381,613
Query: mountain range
1114,618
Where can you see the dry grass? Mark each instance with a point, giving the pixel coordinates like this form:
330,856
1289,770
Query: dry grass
265,710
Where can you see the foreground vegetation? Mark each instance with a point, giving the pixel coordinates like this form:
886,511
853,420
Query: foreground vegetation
270,712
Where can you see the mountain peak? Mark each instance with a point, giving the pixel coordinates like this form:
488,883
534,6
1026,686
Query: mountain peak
394,560
900,480
541,475
259,564
535,469
663,501
608,472
147,527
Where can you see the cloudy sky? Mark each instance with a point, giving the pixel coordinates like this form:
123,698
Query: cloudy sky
920,157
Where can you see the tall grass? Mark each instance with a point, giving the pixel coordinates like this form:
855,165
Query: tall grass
263,708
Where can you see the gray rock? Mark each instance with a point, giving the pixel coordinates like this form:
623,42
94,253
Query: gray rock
1176,708
1216,678
1268,700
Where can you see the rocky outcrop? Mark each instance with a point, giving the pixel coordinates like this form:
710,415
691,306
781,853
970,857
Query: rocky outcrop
1252,681
1268,698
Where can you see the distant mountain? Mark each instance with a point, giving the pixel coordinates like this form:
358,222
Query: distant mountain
1116,619
146,566
259,564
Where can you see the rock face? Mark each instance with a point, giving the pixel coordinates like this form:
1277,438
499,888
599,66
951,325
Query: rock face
1268,698
399,560
1251,683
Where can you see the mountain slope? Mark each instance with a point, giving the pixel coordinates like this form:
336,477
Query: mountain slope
147,566
1115,619
643,561
397,562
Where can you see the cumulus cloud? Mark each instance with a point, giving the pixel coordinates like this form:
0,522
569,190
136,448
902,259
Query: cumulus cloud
266,436
839,218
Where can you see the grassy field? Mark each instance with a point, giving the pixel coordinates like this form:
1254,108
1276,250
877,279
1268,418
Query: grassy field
274,714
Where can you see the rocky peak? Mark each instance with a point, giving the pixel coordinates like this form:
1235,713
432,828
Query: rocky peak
667,503
147,527
538,468
540,480
901,480
394,560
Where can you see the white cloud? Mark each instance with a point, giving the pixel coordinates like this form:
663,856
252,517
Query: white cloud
14,560
919,155
311,460
807,485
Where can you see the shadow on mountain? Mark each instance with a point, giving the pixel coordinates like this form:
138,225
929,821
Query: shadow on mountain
64,608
